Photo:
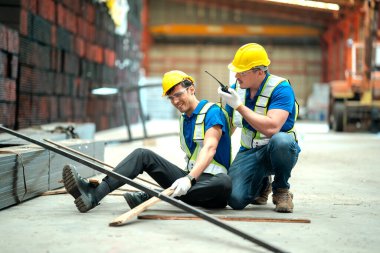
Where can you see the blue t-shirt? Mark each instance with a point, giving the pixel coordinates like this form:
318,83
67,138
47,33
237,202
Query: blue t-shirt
282,98
214,117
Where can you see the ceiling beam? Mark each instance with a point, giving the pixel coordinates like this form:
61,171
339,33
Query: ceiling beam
203,30
308,16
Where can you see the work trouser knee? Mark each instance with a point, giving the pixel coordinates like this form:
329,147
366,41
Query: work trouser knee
144,160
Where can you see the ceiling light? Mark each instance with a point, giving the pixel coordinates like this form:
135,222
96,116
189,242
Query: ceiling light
312,4
105,91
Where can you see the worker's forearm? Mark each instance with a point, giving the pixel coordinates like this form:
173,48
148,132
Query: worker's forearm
261,123
203,161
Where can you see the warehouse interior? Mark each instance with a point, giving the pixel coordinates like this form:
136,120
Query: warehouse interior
87,74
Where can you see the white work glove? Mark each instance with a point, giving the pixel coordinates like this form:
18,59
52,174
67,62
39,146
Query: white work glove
232,99
181,186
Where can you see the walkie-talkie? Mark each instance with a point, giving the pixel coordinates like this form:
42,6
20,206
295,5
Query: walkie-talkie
224,87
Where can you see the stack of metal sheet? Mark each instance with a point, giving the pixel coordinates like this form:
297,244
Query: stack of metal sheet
27,171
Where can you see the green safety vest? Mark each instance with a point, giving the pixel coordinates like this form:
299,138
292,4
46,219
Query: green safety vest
198,136
251,139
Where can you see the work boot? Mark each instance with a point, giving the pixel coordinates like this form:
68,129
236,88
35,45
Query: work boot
136,198
79,188
283,199
263,196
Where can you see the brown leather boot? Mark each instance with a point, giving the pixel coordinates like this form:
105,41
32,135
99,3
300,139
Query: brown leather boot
263,196
283,199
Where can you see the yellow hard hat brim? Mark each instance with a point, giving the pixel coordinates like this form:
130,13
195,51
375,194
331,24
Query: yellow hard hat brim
236,69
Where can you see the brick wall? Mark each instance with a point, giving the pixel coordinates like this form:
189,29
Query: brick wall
54,52
9,59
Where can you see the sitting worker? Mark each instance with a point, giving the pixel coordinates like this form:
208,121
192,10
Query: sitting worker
264,106
205,138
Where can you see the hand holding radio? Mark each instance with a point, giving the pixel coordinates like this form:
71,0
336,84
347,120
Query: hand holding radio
231,98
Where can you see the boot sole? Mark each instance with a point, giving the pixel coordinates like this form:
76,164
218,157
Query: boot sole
70,182
283,210
82,202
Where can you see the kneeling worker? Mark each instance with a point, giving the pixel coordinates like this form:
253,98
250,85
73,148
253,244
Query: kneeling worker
264,106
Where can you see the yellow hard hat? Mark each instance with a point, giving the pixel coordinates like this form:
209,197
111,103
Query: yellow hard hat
172,78
249,56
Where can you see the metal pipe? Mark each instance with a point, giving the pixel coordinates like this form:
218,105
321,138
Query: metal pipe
125,114
149,191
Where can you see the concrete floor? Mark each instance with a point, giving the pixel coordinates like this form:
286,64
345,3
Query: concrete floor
335,185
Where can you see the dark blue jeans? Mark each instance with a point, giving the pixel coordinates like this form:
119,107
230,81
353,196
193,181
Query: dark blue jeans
250,167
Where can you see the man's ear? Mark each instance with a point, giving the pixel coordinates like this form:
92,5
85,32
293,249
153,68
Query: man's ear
192,89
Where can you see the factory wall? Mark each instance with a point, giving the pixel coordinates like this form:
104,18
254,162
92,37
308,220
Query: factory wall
301,65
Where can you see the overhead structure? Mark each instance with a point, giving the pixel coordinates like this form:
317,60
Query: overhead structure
204,30
241,21
345,30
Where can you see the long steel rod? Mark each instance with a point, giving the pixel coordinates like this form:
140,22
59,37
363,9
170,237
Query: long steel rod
94,159
149,191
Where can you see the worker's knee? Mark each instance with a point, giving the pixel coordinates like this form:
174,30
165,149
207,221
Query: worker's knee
281,140
237,201
140,152
236,204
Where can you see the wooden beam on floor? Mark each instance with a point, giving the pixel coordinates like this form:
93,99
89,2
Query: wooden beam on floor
226,218
133,213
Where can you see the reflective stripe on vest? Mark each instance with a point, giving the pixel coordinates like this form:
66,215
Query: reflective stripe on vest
198,137
237,119
251,139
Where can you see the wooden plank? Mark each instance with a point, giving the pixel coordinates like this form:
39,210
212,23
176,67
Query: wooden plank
226,218
133,213
54,192
63,191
